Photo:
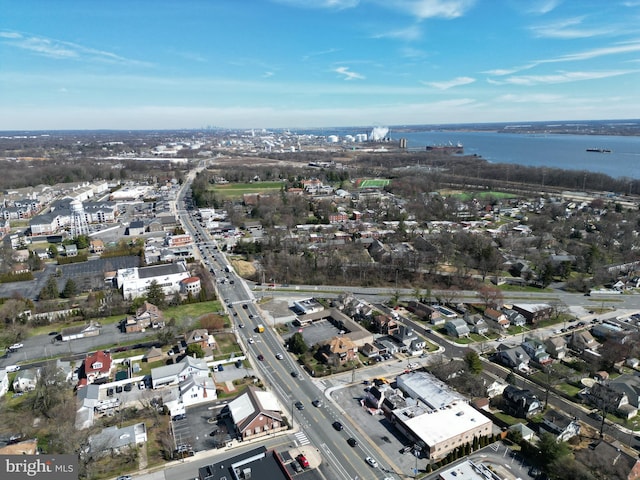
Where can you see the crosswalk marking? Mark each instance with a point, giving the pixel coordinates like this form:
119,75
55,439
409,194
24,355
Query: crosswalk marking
302,439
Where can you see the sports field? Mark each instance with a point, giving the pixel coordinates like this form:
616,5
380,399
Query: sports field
236,190
372,182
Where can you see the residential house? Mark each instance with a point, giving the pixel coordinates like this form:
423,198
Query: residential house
496,320
534,312
457,328
339,350
71,250
409,339
560,425
615,400
192,390
582,340
96,365
610,461
426,312
201,337
536,350
515,318
385,324
256,413
369,350
629,384
115,440
147,316
556,346
476,323
153,355
97,246
520,403
175,373
26,380
513,357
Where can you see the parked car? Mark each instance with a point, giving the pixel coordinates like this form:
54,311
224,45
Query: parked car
128,387
304,463
296,467
16,346
12,368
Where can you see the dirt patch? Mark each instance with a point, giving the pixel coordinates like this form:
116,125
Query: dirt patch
243,268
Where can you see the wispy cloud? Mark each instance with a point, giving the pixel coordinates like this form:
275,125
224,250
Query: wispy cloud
268,74
333,4
348,75
542,7
320,53
561,77
622,48
569,29
411,33
61,50
530,98
423,9
454,82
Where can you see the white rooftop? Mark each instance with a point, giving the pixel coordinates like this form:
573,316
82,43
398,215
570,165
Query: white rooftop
439,425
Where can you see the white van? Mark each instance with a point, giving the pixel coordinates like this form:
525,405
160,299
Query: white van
12,368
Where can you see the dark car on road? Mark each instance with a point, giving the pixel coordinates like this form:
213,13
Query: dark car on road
299,405
352,442
338,426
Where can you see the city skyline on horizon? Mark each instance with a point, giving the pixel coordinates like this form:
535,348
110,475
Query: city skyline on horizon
307,64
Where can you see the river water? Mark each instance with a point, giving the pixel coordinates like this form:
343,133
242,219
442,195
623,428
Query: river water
540,150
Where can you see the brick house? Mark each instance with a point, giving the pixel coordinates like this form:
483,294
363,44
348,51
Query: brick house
96,365
256,413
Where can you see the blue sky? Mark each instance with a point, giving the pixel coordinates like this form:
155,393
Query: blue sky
149,64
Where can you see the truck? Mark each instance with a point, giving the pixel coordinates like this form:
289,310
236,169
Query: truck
260,328
228,268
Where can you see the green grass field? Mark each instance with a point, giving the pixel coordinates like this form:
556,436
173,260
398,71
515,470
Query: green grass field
464,196
373,182
236,190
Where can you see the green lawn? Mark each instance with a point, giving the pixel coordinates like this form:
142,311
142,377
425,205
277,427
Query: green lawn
236,190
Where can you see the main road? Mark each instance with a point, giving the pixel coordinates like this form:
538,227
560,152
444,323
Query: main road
340,461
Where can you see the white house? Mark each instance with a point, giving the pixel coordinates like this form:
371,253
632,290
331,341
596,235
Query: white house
178,372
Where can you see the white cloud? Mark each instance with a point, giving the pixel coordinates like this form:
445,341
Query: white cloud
267,74
562,77
411,33
61,50
542,7
567,29
423,9
455,82
530,98
348,75
335,4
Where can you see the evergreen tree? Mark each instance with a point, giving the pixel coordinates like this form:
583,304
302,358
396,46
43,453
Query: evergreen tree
155,294
297,344
70,289
50,290
474,364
